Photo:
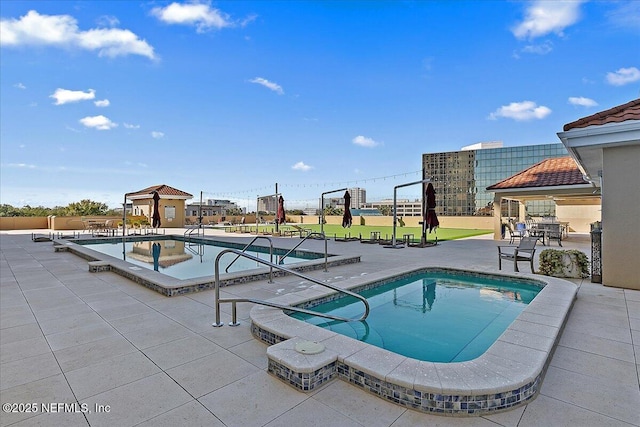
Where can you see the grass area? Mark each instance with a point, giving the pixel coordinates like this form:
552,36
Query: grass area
386,232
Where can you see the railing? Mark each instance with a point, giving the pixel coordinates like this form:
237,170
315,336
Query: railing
281,258
248,246
189,232
233,301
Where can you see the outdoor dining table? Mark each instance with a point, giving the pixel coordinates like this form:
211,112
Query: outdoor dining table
547,231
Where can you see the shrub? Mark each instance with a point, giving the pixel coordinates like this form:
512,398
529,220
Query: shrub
552,262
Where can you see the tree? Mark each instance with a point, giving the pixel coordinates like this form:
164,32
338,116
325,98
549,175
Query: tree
87,207
386,210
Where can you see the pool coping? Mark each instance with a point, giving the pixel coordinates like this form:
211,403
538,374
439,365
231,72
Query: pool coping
508,374
171,286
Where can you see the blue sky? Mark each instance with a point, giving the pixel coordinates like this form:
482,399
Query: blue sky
228,98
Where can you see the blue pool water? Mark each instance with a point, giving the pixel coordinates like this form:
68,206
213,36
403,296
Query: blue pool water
432,316
186,260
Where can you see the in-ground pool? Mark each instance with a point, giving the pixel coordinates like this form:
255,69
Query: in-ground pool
434,316
186,265
185,259
509,373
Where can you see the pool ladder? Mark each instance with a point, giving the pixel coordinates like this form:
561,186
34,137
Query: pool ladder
233,301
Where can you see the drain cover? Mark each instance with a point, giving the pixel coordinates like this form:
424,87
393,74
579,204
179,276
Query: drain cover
309,347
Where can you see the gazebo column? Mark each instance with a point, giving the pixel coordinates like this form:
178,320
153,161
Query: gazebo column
497,217
522,212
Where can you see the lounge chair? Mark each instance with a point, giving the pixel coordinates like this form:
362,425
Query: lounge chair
523,252
304,232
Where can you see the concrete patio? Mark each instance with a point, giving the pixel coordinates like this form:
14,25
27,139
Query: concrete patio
133,357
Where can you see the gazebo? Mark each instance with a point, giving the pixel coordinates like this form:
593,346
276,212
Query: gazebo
171,204
558,179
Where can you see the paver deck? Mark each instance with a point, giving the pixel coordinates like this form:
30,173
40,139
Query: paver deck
100,350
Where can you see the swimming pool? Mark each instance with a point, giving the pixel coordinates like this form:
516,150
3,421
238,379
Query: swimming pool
139,265
184,259
508,374
432,316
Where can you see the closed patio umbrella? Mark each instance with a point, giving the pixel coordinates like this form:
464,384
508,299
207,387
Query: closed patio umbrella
432,218
156,210
280,217
347,219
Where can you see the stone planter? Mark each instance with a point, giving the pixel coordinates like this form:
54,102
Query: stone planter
564,263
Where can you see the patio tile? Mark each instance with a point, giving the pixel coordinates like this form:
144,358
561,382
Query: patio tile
598,329
546,411
181,351
66,419
190,414
160,333
68,323
138,401
110,373
615,401
614,370
82,355
267,397
137,321
414,418
604,347
50,389
18,350
81,335
20,333
210,373
253,351
358,405
312,413
28,369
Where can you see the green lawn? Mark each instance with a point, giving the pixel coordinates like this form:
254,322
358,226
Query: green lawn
386,232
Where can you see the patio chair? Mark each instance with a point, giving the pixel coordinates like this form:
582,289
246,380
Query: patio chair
517,231
523,252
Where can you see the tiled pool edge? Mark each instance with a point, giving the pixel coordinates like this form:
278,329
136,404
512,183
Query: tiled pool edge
170,286
509,374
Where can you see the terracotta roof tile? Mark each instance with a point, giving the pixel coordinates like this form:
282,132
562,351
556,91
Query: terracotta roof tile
621,113
547,173
163,190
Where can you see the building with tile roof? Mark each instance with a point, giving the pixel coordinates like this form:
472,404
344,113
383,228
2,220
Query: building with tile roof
171,204
606,148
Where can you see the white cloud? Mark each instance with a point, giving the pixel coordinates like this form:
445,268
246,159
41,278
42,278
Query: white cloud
539,49
544,17
19,86
65,96
521,111
301,166
363,141
623,76
625,15
21,165
102,103
98,122
582,101
62,31
201,15
270,85
157,135
130,126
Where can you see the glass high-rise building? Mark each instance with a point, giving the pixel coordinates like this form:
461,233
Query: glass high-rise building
460,178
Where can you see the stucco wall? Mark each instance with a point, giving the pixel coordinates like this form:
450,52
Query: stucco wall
23,223
579,216
620,217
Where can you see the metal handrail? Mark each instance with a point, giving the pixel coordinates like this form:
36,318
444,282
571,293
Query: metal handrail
226,270
281,258
233,301
188,232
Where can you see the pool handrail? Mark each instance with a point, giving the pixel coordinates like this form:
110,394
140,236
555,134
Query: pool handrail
233,301
314,233
226,270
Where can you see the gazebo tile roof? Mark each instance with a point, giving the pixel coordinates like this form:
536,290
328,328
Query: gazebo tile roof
621,113
163,190
553,172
